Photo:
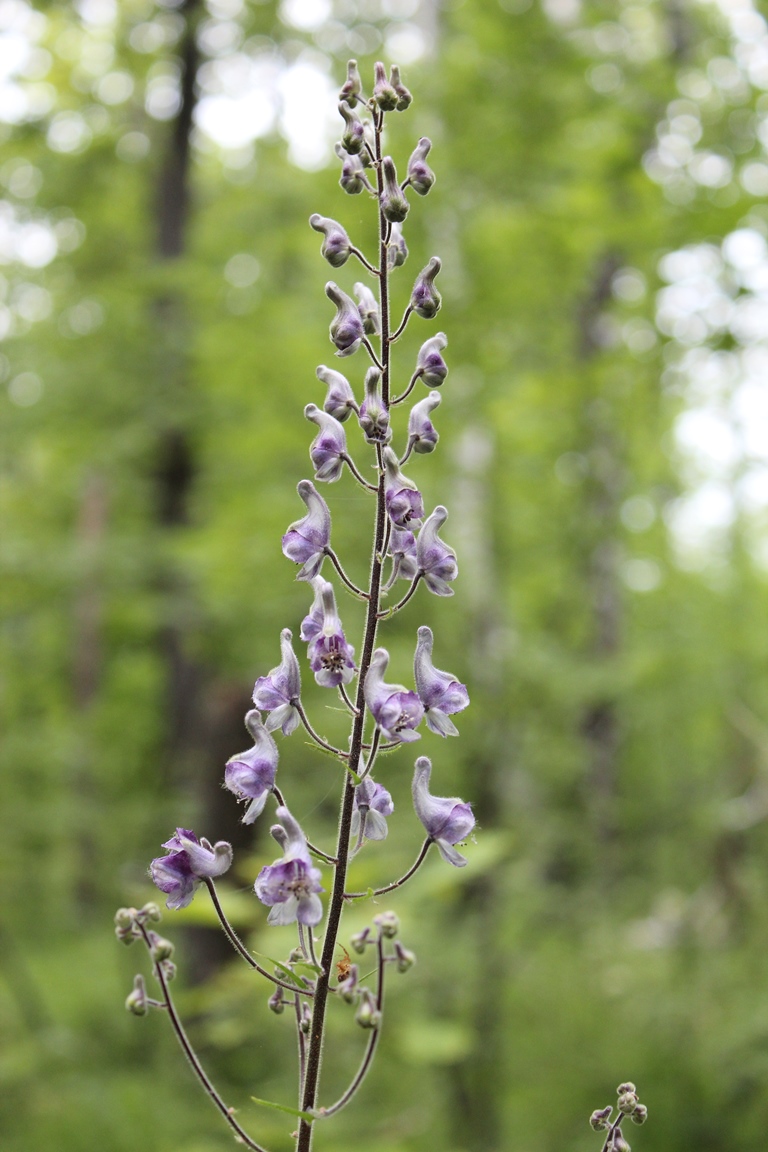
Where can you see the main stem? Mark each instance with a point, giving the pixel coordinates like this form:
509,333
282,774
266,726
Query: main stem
335,907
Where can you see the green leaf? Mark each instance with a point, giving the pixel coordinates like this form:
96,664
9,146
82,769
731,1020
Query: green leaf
308,1116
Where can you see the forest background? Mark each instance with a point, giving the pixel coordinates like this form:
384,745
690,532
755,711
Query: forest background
600,211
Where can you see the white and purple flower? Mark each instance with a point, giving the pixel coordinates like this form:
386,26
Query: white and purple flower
397,249
436,560
420,175
373,416
279,691
307,539
290,886
403,499
313,621
329,447
425,298
346,327
447,821
422,434
441,693
336,245
402,549
430,365
339,399
368,307
396,710
372,806
189,861
331,658
251,775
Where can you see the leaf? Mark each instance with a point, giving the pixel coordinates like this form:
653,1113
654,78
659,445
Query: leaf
308,1116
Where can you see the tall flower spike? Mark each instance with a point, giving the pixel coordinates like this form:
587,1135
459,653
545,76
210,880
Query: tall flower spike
313,621
336,246
441,693
422,433
404,98
352,86
425,298
402,549
251,775
384,92
396,710
278,692
372,806
397,250
420,174
436,561
329,447
307,539
447,821
368,307
346,327
353,136
430,365
290,886
353,178
403,499
374,417
394,205
188,861
331,658
339,399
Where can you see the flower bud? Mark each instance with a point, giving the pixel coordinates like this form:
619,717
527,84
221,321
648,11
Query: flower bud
397,249
339,399
296,956
136,1002
640,1114
305,1024
346,329
152,912
169,970
620,1144
348,987
352,86
276,1003
368,307
374,417
353,136
384,92
627,1103
336,245
601,1118
394,205
389,924
430,365
124,918
360,939
627,1086
353,178
404,98
125,935
329,447
425,298
420,174
161,949
405,958
367,1015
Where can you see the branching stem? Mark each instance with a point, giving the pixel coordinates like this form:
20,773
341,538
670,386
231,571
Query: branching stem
401,603
398,883
354,470
346,580
317,739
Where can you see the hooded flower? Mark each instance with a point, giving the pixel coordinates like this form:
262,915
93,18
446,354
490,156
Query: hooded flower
436,561
307,539
368,307
373,416
189,861
346,327
278,692
403,499
352,86
353,178
383,90
420,174
336,246
447,821
251,775
372,805
329,447
397,249
425,298
441,693
394,206
430,365
422,434
404,98
289,887
331,658
402,549
313,621
397,711
339,399
353,136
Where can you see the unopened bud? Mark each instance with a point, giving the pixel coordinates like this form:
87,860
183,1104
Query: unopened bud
421,431
169,970
125,935
353,136
336,245
305,1024
275,1002
394,205
425,298
389,924
348,986
152,912
627,1086
161,949
352,86
601,1118
420,174
360,939
124,917
353,178
405,959
368,307
346,329
430,365
404,98
136,1002
367,1015
640,1114
397,249
340,399
296,956
627,1103
619,1143
373,416
383,91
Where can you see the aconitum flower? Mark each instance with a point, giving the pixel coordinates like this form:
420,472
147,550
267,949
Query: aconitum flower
352,86
289,887
441,693
279,692
425,298
339,399
373,416
430,365
397,249
346,327
336,246
372,805
436,561
383,91
404,98
353,136
189,861
313,621
422,434
420,174
368,307
307,540
329,447
402,549
447,821
394,206
353,178
251,775
403,499
396,710
331,658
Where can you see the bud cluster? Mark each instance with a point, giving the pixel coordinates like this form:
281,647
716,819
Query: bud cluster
628,1106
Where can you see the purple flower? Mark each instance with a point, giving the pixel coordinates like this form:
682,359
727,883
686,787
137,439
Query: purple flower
353,178
397,249
188,862
383,90
397,711
329,447
372,805
420,174
436,561
290,885
402,548
440,692
425,298
403,499
331,658
430,365
353,136
313,621
307,539
251,775
422,433
394,206
278,692
336,245
368,307
346,327
373,416
339,399
447,821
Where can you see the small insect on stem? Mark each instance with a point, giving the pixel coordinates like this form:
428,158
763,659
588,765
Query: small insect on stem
343,966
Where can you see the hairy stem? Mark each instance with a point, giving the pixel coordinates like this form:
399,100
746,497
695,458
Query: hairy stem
397,883
346,580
